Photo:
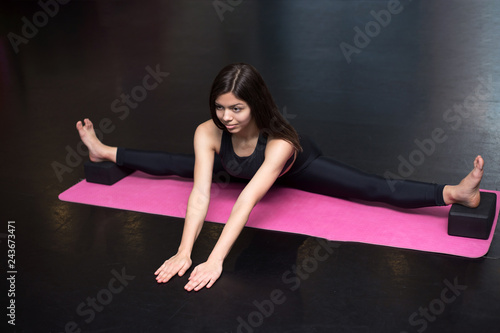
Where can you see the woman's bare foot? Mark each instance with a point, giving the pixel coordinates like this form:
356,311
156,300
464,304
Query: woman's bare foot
98,152
467,192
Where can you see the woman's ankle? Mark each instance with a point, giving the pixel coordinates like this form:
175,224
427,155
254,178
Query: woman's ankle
448,196
110,154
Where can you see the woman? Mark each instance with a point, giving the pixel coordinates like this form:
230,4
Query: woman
255,143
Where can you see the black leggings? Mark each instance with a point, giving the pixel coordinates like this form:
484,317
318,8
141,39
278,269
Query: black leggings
323,175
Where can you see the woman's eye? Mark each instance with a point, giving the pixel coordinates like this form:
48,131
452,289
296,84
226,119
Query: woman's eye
218,107
236,109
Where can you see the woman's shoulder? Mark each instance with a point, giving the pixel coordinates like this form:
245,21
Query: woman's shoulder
209,133
275,144
209,128
274,140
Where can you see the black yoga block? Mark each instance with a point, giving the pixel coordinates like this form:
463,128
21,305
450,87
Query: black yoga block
473,222
106,173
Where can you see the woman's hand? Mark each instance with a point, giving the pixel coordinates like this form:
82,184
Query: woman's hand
204,275
178,264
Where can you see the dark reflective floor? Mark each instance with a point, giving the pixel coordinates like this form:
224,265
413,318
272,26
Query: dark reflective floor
366,97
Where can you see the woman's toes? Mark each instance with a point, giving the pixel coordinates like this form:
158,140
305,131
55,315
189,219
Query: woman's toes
480,162
88,123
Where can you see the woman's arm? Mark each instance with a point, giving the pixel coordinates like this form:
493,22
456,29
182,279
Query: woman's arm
276,155
204,140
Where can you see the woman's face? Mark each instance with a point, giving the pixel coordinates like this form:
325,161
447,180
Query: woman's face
234,113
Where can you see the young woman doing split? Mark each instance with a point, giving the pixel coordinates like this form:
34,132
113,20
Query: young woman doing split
249,139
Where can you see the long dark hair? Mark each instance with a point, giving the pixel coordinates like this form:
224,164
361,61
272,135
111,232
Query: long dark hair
245,82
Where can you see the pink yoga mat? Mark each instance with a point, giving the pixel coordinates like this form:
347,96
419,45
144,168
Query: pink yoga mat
290,210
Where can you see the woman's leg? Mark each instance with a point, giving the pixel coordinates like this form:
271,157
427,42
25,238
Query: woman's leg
328,177
155,163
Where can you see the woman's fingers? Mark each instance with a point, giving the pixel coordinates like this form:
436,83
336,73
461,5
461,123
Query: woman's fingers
160,269
165,274
172,267
204,275
198,283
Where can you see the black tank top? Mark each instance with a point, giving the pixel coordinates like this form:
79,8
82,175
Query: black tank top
244,167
